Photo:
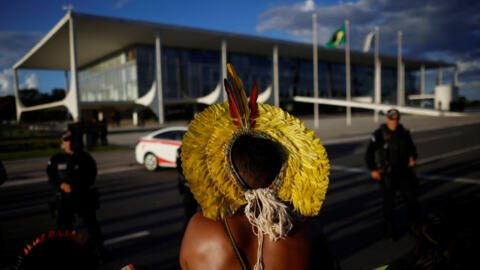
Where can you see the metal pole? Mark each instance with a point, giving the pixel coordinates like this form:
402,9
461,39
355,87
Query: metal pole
276,92
399,71
73,104
18,102
315,71
158,63
223,67
402,83
422,84
377,80
347,67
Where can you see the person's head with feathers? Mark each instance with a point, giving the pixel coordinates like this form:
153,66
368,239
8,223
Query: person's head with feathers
255,157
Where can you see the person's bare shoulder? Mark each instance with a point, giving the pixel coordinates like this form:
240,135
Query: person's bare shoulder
292,252
204,245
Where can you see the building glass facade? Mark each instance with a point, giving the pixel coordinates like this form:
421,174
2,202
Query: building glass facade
188,73
112,79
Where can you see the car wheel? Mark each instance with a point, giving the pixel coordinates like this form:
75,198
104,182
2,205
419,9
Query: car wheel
150,162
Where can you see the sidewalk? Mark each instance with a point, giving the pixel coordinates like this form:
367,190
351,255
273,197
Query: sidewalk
332,130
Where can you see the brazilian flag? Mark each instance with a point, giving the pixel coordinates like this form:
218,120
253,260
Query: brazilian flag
337,39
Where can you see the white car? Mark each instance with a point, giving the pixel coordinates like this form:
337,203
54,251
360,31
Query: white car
159,148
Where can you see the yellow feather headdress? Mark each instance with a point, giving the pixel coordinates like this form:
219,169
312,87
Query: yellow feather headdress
206,165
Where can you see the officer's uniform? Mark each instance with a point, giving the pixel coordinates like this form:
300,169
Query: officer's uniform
3,174
190,205
391,150
79,171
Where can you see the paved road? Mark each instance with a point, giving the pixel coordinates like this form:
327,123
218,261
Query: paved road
141,212
449,167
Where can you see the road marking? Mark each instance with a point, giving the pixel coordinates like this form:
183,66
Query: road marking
349,169
446,155
45,179
449,179
447,135
126,238
365,137
347,140
12,211
421,176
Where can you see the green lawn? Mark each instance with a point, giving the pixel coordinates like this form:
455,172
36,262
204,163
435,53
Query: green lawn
18,142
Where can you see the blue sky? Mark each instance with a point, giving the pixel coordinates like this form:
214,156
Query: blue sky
432,29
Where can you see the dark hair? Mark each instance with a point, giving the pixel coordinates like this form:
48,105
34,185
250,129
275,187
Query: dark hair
58,253
258,161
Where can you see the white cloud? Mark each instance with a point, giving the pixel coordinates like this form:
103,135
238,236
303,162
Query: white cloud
6,82
120,3
27,81
309,5
468,66
426,26
31,81
433,30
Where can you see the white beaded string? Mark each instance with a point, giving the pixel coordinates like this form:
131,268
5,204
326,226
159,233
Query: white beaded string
268,215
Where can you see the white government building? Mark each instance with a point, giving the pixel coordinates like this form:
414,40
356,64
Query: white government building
130,65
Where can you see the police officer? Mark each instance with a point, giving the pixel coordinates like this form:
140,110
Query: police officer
391,156
73,173
190,205
3,174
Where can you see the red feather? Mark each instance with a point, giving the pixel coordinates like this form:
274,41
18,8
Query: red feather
253,105
233,105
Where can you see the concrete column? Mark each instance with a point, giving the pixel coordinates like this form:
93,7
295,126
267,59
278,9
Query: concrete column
158,65
276,90
135,118
315,71
439,76
72,100
223,68
455,77
347,68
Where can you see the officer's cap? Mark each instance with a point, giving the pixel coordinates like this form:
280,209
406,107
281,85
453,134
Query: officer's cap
67,136
393,114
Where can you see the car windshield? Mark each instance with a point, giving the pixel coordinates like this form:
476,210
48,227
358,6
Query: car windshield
176,135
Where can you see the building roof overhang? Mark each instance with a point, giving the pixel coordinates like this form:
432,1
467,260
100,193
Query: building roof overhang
98,36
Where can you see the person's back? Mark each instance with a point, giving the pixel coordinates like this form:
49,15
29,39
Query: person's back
253,169
207,237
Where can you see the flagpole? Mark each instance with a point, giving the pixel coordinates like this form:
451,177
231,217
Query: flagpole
400,94
315,71
347,72
377,79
